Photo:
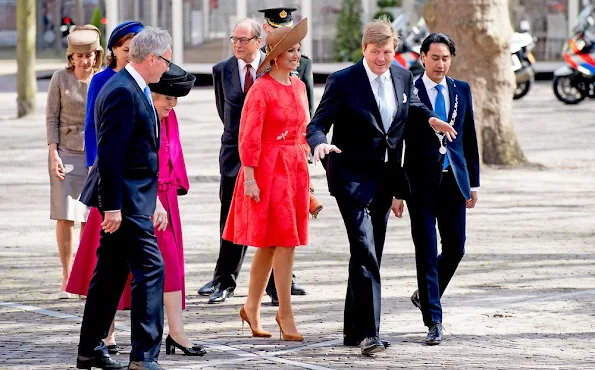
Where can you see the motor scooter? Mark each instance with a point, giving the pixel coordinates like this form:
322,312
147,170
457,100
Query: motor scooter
408,51
521,46
576,81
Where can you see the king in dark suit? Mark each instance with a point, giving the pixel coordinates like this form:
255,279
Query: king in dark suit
443,177
123,186
367,104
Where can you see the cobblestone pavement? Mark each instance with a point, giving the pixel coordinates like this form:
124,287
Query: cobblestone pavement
522,297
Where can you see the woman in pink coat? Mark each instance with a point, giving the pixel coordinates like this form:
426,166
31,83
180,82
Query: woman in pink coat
173,181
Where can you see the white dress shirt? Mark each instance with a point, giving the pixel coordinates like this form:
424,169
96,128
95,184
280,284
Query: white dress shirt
242,68
433,92
389,90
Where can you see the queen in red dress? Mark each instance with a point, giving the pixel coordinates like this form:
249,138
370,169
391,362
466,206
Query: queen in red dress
269,209
173,181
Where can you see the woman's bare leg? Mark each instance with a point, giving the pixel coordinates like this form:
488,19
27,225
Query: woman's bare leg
283,266
260,270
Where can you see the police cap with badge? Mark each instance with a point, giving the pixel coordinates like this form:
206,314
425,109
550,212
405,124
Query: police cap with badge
278,17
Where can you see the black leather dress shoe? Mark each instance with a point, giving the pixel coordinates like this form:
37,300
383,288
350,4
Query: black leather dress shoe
348,342
371,345
221,294
144,365
274,298
415,299
297,289
101,361
208,288
434,336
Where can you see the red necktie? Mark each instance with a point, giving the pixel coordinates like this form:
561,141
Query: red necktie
248,80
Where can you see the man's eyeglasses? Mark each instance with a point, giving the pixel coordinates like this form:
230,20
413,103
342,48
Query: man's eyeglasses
167,61
242,40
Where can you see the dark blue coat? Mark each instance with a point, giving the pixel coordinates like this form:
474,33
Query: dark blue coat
348,104
125,173
423,161
229,98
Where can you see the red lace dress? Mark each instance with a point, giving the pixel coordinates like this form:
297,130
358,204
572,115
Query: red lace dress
272,140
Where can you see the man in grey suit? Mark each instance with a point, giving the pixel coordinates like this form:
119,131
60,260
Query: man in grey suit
232,78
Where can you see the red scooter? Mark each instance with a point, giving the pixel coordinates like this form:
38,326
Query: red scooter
576,81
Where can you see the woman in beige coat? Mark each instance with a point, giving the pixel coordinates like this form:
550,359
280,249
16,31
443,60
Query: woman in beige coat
65,122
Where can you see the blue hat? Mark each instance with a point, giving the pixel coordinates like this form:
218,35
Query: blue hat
122,30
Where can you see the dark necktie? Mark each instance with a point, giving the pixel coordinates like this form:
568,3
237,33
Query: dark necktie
248,79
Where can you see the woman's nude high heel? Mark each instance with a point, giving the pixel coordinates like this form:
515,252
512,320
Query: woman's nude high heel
288,337
255,332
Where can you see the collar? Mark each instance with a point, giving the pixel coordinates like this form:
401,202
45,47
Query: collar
371,75
254,63
137,77
429,84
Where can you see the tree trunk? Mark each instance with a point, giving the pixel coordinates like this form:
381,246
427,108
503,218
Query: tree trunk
26,80
57,15
481,31
80,12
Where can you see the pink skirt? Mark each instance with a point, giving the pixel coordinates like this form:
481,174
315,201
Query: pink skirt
86,259
169,242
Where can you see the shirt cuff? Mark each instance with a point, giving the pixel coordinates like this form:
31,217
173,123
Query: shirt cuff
117,210
475,189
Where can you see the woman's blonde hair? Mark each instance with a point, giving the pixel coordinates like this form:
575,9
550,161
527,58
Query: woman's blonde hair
380,32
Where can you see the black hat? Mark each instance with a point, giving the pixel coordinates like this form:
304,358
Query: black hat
175,82
278,17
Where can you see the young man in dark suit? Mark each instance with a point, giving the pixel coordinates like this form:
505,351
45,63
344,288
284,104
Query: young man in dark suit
123,186
443,178
232,78
367,104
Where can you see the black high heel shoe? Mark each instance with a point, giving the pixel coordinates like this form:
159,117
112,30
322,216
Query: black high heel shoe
113,349
171,345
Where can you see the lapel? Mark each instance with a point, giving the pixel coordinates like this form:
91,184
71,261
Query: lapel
451,93
422,93
399,90
155,127
233,74
363,85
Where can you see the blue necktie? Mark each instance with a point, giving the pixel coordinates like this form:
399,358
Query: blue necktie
147,92
440,109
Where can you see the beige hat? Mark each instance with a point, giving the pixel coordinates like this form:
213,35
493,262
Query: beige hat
281,39
84,39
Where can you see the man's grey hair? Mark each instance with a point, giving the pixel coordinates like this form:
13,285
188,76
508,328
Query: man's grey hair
254,25
150,40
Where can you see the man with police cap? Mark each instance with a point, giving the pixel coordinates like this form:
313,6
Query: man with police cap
275,18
